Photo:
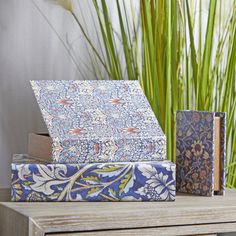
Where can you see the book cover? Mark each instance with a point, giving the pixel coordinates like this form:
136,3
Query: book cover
200,151
99,121
35,180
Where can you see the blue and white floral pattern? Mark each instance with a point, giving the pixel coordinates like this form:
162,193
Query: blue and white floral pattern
99,121
123,181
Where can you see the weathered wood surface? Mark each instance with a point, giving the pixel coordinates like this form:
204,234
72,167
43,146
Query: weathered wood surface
202,230
190,214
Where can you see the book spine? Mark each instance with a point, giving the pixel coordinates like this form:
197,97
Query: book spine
140,181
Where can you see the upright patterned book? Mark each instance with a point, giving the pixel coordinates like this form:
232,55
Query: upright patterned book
34,180
99,121
200,143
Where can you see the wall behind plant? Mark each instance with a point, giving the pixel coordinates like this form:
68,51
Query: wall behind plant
30,50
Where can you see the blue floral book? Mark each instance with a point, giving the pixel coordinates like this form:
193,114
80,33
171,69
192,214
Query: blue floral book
200,150
99,121
33,180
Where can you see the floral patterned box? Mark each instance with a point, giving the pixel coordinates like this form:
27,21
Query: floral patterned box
33,180
196,144
99,121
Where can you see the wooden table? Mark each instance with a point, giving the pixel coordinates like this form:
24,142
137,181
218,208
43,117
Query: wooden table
188,215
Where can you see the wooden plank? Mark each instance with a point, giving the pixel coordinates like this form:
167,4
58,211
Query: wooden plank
208,229
34,229
188,210
12,222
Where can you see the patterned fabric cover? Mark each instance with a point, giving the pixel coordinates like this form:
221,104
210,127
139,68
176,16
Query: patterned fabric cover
99,121
124,181
195,152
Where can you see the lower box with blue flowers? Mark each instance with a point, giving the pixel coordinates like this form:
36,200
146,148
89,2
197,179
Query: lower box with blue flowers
33,180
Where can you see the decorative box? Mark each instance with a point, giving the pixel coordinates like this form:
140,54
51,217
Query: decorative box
99,121
200,142
123,181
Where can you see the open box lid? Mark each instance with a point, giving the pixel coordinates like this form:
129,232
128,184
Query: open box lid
99,121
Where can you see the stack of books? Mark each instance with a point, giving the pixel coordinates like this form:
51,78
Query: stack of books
104,144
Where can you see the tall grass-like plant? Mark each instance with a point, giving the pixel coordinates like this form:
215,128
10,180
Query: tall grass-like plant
180,63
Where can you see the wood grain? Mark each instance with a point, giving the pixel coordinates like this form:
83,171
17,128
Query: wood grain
203,230
198,215
12,223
